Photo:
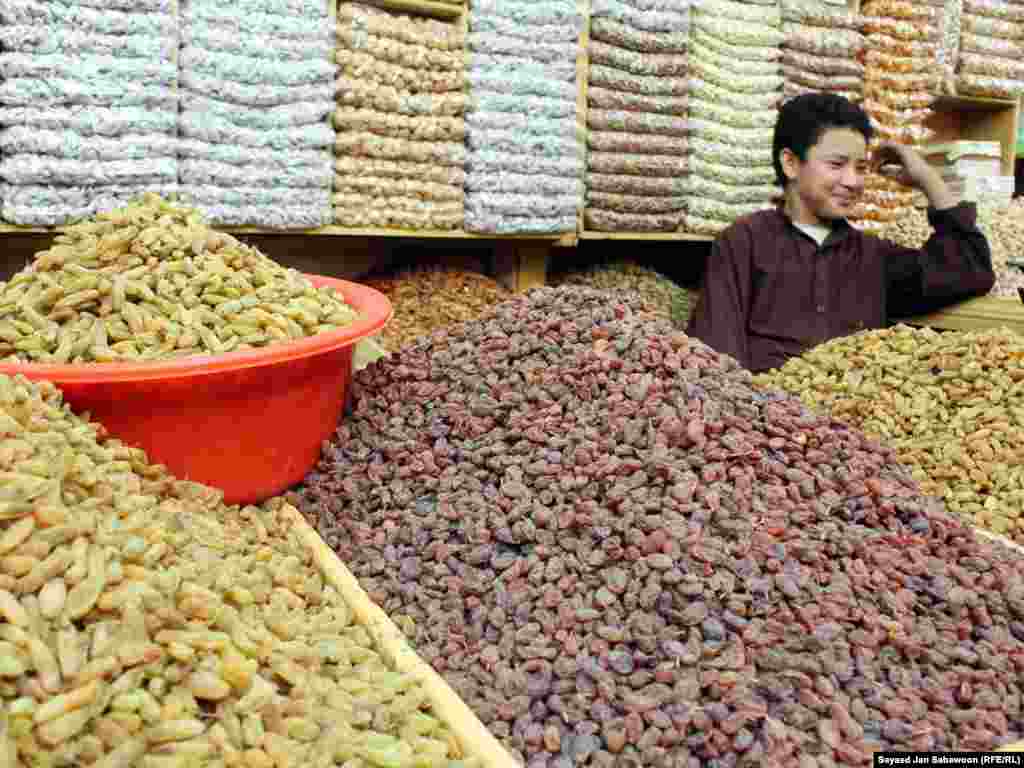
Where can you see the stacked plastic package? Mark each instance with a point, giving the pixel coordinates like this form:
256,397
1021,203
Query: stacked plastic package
88,110
735,89
257,86
525,149
822,50
900,83
988,60
637,129
400,156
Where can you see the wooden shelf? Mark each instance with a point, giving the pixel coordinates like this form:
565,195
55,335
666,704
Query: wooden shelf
649,236
966,118
972,104
975,315
420,7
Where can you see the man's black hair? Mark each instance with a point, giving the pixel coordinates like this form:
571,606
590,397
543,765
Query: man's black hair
803,119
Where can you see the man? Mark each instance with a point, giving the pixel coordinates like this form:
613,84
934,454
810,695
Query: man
779,282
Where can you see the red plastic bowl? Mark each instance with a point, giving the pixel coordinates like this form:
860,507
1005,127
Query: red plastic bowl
251,423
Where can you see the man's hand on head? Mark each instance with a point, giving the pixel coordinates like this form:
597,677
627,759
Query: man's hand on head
909,168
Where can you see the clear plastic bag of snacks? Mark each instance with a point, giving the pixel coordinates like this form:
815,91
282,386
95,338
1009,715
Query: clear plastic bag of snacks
903,134
619,163
822,82
896,81
898,99
822,65
998,9
630,184
759,53
895,46
636,143
899,9
824,42
617,80
698,225
738,118
885,62
900,29
737,32
615,33
614,221
990,46
702,89
992,66
731,155
656,64
891,116
730,193
984,25
605,98
791,90
726,134
988,87
732,80
741,67
610,201
753,14
817,14
752,175
636,122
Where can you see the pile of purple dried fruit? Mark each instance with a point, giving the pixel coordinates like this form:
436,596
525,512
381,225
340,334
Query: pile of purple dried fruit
620,553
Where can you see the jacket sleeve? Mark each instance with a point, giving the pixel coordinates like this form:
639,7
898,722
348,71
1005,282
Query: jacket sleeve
722,311
955,264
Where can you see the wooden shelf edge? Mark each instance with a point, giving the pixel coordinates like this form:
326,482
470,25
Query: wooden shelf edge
652,236
974,315
947,102
420,7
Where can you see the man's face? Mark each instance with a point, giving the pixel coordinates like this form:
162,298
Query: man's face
831,180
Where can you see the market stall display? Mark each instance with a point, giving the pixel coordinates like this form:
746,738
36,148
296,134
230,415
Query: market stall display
619,551
431,298
525,153
257,84
88,109
662,296
823,49
145,623
636,118
988,61
735,88
400,154
929,395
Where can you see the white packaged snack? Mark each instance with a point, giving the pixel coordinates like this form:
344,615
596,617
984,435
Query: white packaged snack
520,85
512,141
92,121
103,21
212,129
379,147
313,159
615,33
51,39
255,95
524,205
491,162
362,167
541,33
254,70
521,66
499,223
255,196
87,68
210,173
56,91
563,127
647,21
97,197
541,106
536,50
40,169
260,24
135,6
625,203
297,216
525,184
310,9
214,38
529,12
261,119
28,140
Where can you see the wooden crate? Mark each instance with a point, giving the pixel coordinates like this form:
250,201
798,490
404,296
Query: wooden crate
473,738
975,315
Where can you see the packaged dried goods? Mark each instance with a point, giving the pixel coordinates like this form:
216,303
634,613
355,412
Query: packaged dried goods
698,225
741,11
886,114
605,98
727,134
614,221
724,97
523,184
521,85
373,200
730,193
992,66
988,87
791,90
215,38
42,40
488,221
363,217
614,33
311,9
898,99
729,212
886,62
636,143
210,172
626,203
414,30
741,52
385,98
542,33
268,24
28,195
823,42
267,119
900,29
627,82
823,82
91,20
528,105
816,14
706,110
881,213
382,186
201,196
629,184
489,161
822,65
995,8
528,12
528,124
398,169
418,128
530,50
899,9
267,158
618,163
87,68
41,169
92,121
527,144
990,46
741,67
733,175
253,69
894,46
520,68
356,65
989,27
526,205
676,21
636,122
68,144
738,33
899,81
213,129
650,64
60,92
254,95
371,146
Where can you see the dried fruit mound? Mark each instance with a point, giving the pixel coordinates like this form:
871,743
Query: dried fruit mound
432,298
621,553
951,404
664,296
1003,225
151,281
145,624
